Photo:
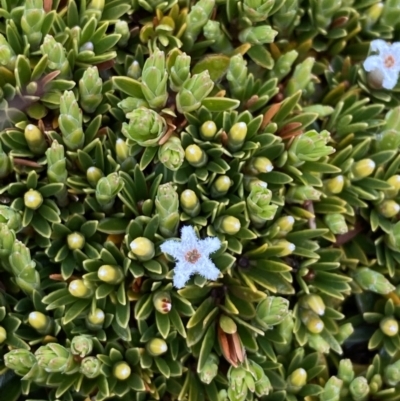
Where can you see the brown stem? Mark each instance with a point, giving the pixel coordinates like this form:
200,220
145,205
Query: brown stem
309,206
342,239
24,162
167,135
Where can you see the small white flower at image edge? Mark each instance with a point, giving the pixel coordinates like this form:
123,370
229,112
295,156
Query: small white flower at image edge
192,256
386,63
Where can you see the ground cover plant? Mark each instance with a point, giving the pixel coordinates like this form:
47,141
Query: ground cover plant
199,200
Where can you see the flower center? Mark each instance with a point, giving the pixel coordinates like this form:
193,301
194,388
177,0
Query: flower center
389,61
192,256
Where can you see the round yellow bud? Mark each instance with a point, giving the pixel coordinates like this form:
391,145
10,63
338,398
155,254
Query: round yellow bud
96,318
298,378
195,156
93,175
335,185
142,248
31,89
238,132
156,347
394,181
262,165
33,134
189,199
110,274
315,303
221,186
3,335
38,320
251,182
389,326
288,247
284,225
208,130
122,150
33,199
236,136
121,371
78,288
75,241
230,225
312,321
363,168
389,208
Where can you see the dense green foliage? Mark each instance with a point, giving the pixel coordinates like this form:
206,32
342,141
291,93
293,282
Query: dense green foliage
257,126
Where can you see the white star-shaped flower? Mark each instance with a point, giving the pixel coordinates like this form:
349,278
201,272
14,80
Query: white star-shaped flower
192,256
386,63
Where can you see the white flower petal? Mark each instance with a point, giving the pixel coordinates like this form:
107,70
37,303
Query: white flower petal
209,245
172,247
379,45
181,274
390,79
189,242
206,268
395,51
189,238
373,63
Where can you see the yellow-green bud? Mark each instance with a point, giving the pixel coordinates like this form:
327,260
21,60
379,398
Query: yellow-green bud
359,388
363,169
375,383
394,181
3,335
121,370
229,225
312,321
79,289
162,302
31,89
156,347
389,208
190,202
345,331
251,182
35,139
122,150
297,380
313,302
345,370
142,248
283,226
134,70
236,136
195,156
288,247
93,175
96,318
75,241
39,322
110,274
33,199
262,165
372,15
389,326
335,185
336,223
227,324
220,186
208,130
